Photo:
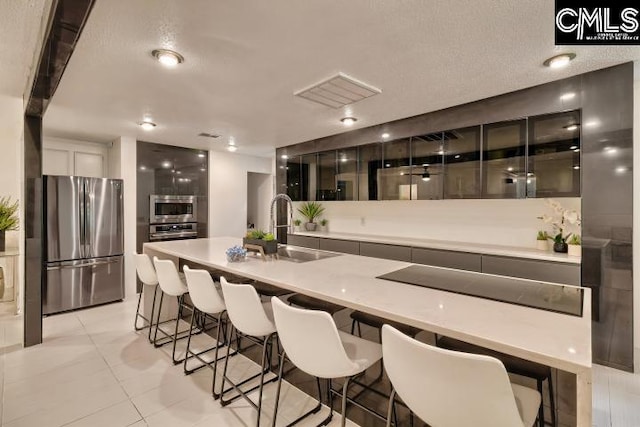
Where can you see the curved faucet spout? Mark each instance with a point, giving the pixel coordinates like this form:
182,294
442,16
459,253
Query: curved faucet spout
273,223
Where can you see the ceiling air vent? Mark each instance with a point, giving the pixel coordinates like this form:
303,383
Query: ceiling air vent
208,135
338,91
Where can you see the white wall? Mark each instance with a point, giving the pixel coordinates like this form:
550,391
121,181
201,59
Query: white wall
72,157
228,191
259,195
500,222
122,161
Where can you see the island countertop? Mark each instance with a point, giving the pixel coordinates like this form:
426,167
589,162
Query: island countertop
557,340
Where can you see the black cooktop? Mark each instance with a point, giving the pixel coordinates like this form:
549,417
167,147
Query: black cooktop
540,295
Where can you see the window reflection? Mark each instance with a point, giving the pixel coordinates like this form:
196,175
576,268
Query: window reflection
554,155
326,176
294,174
426,171
347,176
309,166
462,163
370,162
504,173
394,179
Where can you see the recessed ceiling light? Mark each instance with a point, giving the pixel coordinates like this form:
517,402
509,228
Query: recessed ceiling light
147,125
231,147
577,150
567,96
179,172
510,168
387,165
441,152
348,121
573,147
284,157
621,169
560,61
168,58
576,167
166,164
201,155
425,164
203,169
457,156
143,168
385,135
610,150
571,127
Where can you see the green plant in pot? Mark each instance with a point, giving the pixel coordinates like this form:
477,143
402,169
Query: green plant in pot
542,241
311,211
575,243
267,241
9,220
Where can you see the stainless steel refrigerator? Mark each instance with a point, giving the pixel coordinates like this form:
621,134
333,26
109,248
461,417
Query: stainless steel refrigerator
84,263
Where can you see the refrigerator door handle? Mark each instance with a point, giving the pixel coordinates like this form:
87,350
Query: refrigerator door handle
82,217
88,215
87,264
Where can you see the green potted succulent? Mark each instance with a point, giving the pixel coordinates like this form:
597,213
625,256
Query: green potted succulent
296,224
311,211
542,241
574,247
267,241
9,220
324,224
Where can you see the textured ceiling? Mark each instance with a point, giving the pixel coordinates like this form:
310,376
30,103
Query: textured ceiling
20,36
244,60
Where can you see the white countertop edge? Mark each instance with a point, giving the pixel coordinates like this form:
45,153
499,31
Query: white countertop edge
486,249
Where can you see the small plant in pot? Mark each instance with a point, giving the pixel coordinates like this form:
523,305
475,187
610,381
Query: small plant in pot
311,211
296,224
542,241
560,220
324,224
267,241
575,243
8,218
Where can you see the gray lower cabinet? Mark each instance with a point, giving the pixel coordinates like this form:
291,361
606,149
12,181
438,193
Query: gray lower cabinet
380,250
304,241
342,246
548,271
450,259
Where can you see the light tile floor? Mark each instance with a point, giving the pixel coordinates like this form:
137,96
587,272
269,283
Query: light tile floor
93,370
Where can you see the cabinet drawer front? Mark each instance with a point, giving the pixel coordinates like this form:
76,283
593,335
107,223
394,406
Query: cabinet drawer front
549,271
380,250
450,259
343,246
304,241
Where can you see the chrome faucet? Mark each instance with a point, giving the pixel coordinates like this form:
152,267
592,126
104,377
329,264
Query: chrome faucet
273,222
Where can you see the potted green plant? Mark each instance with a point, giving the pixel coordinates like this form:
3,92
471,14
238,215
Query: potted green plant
8,218
561,219
324,224
267,241
311,211
542,241
575,243
296,224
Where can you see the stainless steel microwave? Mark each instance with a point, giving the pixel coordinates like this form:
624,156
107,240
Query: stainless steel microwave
172,209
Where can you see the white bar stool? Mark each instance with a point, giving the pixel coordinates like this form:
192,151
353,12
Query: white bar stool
147,275
250,319
313,343
450,389
171,284
206,300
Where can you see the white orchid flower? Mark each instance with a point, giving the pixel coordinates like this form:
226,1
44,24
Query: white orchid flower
571,216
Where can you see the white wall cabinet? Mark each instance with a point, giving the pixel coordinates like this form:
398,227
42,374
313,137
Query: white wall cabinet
70,157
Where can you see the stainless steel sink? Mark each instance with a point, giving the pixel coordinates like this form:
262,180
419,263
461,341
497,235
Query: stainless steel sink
295,254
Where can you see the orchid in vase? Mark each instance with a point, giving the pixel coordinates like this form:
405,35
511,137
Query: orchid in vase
561,220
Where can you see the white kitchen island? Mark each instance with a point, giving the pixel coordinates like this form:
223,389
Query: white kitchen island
558,340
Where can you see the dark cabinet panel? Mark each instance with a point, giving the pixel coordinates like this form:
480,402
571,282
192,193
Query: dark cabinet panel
370,163
304,241
427,154
380,250
343,246
309,166
503,165
296,176
462,163
326,176
548,271
347,174
394,180
450,259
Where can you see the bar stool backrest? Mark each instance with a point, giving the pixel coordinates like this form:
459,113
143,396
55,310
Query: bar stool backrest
145,270
311,341
203,292
449,388
245,309
168,277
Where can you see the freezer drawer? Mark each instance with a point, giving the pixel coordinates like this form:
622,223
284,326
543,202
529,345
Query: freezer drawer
82,283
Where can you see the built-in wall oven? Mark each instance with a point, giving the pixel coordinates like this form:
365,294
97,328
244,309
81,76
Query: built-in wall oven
185,230
172,209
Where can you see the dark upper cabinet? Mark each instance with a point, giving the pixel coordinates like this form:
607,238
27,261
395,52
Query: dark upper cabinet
369,164
394,179
427,156
554,155
347,174
503,160
462,163
534,157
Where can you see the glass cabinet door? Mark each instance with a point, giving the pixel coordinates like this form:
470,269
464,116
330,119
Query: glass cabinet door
369,165
294,174
326,173
347,176
462,163
309,167
394,179
554,155
504,174
427,154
